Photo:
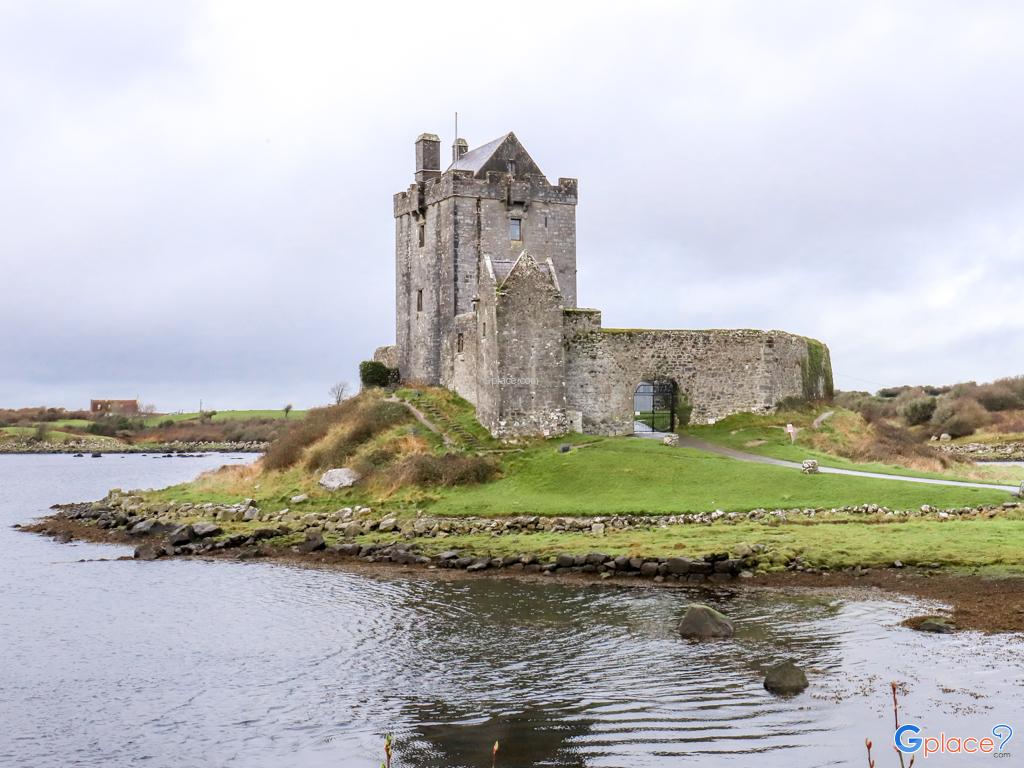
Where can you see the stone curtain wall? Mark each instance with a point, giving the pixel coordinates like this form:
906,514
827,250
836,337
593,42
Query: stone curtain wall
721,371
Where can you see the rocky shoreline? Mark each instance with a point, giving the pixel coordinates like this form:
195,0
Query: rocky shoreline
184,529
94,447
1003,611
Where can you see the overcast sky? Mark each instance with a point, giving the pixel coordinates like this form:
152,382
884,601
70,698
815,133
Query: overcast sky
195,198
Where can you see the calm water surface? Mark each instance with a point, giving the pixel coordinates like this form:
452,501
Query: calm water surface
191,663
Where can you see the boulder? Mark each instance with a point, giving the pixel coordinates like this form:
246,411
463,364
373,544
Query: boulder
250,514
336,479
147,552
671,440
701,622
809,467
204,530
388,524
300,498
142,528
312,543
785,679
936,624
183,534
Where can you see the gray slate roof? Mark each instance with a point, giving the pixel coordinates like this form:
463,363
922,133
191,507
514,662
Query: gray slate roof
475,159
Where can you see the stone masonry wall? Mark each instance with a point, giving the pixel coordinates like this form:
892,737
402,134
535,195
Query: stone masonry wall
721,372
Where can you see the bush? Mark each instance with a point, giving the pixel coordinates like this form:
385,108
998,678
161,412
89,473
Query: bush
363,424
997,397
447,470
375,374
919,410
287,449
960,416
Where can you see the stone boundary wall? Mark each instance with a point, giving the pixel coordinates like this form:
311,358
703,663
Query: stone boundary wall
720,372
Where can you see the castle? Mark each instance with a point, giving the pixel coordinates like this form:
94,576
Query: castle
485,268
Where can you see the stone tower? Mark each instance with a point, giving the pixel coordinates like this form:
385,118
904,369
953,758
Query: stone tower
492,201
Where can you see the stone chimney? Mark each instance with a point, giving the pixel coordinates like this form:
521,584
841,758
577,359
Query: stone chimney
459,148
428,157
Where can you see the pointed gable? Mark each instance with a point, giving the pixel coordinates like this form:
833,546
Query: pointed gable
525,270
494,156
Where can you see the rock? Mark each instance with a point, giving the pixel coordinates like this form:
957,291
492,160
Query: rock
936,624
565,561
595,558
388,524
649,569
300,498
945,437
183,534
147,552
597,529
143,528
449,554
785,679
564,448
809,467
313,543
701,622
204,530
250,514
672,440
678,565
479,565
336,479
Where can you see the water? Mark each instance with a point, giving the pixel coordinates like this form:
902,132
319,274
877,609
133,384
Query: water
191,663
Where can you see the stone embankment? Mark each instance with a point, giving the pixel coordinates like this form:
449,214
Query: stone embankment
182,529
1013,451
87,446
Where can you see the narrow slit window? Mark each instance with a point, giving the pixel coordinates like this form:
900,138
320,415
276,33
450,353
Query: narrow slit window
484,334
423,234
511,167
419,300
515,229
459,343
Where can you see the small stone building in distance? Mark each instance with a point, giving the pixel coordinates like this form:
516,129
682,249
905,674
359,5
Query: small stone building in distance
485,267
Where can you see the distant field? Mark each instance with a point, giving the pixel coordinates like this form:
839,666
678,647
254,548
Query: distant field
53,435
152,421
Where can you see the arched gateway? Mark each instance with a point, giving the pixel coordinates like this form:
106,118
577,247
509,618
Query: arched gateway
654,407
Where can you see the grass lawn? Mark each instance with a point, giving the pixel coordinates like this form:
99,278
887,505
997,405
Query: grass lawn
152,421
630,475
763,435
994,544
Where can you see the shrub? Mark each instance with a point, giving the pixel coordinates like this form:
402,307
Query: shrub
376,374
960,416
997,397
447,470
287,449
919,410
363,424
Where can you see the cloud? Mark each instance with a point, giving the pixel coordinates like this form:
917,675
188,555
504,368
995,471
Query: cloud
197,196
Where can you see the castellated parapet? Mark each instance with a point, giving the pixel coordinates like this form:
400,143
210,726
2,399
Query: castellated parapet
485,257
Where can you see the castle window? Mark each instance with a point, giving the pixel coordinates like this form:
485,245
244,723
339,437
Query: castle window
419,300
545,221
515,229
483,335
423,234
512,167
459,343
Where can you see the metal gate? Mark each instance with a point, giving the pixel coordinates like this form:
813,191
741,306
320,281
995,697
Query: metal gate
654,407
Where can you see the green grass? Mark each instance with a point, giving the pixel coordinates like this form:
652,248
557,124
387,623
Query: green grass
52,435
659,421
628,475
152,421
762,435
996,544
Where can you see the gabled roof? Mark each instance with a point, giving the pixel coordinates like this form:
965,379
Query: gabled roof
503,269
474,159
494,156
